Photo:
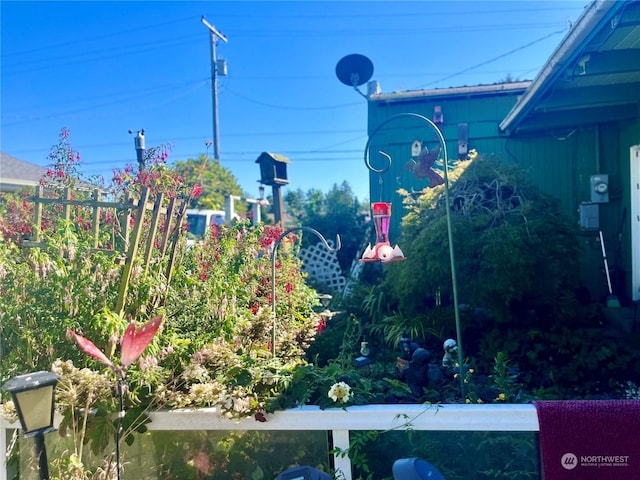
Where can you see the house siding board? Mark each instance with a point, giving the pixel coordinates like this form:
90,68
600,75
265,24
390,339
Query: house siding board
481,111
559,160
561,164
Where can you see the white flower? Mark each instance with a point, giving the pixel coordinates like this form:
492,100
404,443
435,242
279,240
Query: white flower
340,392
195,373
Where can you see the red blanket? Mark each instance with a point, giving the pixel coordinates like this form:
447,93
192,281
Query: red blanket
590,439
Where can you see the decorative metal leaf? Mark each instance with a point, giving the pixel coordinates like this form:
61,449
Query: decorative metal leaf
135,340
88,347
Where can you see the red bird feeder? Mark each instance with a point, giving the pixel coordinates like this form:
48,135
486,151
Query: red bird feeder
382,251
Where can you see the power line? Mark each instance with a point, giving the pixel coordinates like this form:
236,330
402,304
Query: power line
244,16
291,107
79,147
73,114
510,52
384,32
412,15
91,56
56,46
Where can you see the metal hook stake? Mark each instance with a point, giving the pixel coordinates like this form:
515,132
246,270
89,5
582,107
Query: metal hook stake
445,157
273,271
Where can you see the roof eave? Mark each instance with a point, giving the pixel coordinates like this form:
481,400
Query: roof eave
449,92
556,64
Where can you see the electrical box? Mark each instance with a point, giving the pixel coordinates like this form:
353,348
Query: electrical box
589,216
599,188
221,67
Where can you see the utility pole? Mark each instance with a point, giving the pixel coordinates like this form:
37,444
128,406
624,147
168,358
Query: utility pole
217,68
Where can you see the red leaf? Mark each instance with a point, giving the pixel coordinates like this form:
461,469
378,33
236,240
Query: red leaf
135,341
90,349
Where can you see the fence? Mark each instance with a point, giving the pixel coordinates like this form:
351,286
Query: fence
129,236
340,422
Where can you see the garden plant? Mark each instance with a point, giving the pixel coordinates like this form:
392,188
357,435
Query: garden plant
523,338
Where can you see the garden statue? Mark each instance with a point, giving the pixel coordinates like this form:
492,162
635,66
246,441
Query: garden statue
416,372
412,366
450,349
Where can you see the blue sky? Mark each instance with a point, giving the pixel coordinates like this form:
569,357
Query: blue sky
104,68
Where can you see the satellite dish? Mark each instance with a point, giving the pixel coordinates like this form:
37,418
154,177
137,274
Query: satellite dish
354,70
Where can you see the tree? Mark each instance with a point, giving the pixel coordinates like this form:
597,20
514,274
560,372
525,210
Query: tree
515,249
336,212
216,181
294,202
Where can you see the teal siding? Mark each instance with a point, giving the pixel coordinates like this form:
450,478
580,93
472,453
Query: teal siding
559,162
482,114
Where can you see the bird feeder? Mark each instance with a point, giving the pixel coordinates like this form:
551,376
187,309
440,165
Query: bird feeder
382,251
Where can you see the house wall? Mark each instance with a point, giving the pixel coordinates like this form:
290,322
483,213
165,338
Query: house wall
482,114
629,136
559,162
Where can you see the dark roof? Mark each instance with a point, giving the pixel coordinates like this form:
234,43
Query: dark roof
16,173
593,76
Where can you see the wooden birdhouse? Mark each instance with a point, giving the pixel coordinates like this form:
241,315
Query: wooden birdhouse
273,169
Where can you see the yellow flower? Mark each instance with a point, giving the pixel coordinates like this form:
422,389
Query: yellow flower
479,401
467,401
502,397
471,370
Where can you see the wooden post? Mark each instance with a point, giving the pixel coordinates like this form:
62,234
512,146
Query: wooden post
174,241
96,218
66,207
37,214
277,205
157,207
123,219
168,221
132,251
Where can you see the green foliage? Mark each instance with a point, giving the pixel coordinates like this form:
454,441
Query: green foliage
216,344
525,331
215,180
562,361
505,380
336,212
44,291
515,250
517,263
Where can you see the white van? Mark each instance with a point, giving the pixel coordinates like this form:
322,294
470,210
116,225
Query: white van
199,221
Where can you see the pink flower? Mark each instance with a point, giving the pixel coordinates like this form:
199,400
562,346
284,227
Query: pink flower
322,324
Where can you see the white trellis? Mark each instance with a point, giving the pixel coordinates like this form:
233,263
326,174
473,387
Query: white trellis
323,267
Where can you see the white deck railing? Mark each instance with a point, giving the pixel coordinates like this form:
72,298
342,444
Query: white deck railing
448,417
